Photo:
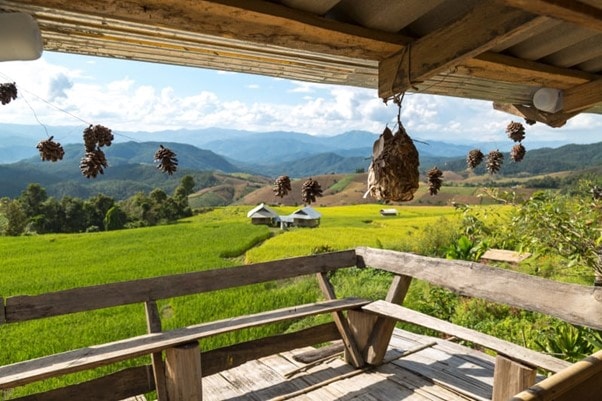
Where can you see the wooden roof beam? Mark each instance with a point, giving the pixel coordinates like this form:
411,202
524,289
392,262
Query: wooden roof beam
248,20
482,28
582,97
572,11
555,120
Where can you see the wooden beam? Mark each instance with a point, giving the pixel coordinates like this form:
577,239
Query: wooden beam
554,120
510,378
247,20
582,97
21,373
576,12
581,305
153,325
183,373
383,328
512,350
20,308
482,28
352,352
581,381
500,67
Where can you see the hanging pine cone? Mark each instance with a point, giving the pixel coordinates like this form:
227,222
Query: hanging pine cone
8,92
518,152
495,159
167,160
310,190
515,131
282,186
434,180
50,150
93,163
90,139
474,158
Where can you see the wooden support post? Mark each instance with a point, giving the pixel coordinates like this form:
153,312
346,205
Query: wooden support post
2,311
183,373
383,327
510,378
153,325
352,353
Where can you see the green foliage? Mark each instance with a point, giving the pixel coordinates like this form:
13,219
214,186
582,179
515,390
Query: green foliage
561,224
342,184
569,342
115,219
465,249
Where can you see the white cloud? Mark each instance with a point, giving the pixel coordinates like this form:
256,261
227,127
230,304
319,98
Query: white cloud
129,105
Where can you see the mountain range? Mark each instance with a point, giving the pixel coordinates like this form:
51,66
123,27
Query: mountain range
263,155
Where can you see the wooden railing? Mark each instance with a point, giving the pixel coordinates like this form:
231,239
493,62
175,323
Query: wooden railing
365,327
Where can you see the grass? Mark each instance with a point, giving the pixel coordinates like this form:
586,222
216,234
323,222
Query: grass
215,239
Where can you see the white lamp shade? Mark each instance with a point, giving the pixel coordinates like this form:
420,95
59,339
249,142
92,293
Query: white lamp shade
548,99
20,37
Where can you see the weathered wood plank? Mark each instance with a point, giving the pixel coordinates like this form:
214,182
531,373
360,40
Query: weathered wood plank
483,27
554,120
577,12
383,328
581,381
510,378
514,351
224,358
352,352
504,255
582,97
116,386
183,372
20,308
153,325
255,21
85,358
581,305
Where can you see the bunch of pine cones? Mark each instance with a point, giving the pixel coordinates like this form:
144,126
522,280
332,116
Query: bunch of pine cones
434,180
516,132
50,150
310,190
168,163
94,160
8,93
282,186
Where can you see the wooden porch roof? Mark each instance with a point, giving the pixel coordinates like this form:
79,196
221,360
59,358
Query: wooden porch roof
496,50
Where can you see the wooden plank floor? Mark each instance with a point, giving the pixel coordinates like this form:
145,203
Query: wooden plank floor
445,371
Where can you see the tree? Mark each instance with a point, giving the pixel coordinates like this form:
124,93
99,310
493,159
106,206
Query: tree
96,209
16,219
75,218
32,199
563,224
185,188
115,219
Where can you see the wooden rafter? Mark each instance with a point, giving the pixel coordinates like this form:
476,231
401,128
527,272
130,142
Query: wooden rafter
247,20
573,11
555,120
477,31
582,97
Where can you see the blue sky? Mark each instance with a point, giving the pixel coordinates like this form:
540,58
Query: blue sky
65,89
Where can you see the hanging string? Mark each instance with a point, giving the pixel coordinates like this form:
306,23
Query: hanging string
21,89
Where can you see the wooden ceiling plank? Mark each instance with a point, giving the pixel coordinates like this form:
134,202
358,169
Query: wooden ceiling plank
576,12
582,97
482,28
249,20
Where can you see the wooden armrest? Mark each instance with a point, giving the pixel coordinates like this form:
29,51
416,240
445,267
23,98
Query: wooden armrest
90,357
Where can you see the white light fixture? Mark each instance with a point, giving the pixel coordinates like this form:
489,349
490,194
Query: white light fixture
548,99
20,37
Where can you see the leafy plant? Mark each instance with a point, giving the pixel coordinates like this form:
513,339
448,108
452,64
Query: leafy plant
570,342
465,249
